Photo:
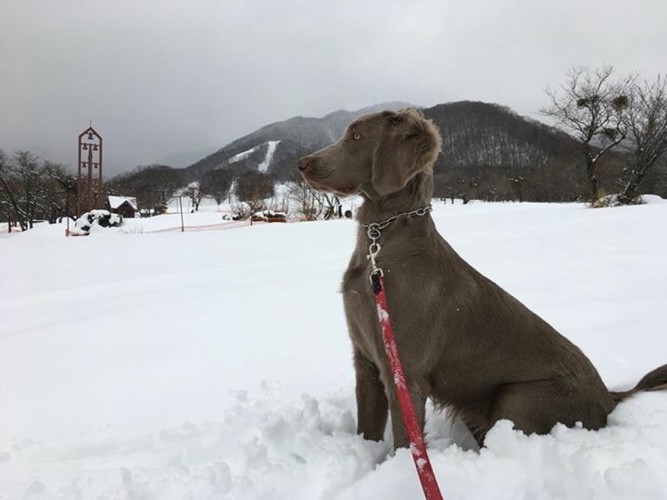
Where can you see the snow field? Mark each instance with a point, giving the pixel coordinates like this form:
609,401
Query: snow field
215,364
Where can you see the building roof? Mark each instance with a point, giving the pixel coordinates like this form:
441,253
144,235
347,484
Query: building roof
117,201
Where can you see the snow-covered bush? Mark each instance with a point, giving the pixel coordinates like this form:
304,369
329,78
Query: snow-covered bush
99,218
615,200
241,211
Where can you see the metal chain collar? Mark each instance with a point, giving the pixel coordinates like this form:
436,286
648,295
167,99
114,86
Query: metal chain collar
374,232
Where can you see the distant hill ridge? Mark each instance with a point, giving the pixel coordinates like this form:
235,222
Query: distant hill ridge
483,134
489,151
474,133
298,136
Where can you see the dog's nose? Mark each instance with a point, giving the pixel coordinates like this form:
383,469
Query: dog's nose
305,163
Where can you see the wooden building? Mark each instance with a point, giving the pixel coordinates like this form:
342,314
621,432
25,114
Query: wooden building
122,205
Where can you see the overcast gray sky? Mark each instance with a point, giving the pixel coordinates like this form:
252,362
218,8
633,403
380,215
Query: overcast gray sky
159,77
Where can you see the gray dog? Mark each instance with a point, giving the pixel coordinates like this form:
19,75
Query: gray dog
463,340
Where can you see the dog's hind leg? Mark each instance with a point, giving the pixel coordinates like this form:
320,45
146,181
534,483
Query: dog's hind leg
536,406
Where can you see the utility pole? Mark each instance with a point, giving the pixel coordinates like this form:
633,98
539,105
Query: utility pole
180,206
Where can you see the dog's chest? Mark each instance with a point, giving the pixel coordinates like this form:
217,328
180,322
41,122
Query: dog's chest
360,308
355,279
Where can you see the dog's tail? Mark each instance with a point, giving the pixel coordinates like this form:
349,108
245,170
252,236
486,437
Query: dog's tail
655,380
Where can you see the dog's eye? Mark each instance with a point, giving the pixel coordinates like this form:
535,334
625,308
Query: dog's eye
356,136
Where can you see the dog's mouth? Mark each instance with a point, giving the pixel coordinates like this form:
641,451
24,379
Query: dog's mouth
345,190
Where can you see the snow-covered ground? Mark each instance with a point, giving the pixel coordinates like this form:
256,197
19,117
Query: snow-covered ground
215,364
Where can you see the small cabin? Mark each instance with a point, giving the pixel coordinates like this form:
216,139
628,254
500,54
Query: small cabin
122,205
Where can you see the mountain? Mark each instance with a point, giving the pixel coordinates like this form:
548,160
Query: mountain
275,147
484,134
474,134
182,159
489,152
485,147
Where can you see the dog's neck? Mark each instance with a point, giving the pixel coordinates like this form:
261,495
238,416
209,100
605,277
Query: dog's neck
416,194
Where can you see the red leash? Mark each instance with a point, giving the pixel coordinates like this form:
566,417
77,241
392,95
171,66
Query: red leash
407,410
408,417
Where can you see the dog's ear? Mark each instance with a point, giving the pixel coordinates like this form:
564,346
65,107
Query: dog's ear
408,145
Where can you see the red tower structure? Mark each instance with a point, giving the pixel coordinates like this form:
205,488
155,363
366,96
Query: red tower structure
89,182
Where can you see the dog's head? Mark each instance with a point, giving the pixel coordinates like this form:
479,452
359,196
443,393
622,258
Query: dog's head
378,154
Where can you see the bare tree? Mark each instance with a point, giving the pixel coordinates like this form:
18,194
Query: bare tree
517,182
31,189
647,132
332,206
151,184
20,187
253,188
57,187
195,194
592,105
9,207
468,189
310,203
216,183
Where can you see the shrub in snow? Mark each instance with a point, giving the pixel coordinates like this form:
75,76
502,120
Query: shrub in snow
100,218
241,211
617,200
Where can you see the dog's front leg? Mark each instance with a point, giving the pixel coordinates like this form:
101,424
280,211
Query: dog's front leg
372,407
418,401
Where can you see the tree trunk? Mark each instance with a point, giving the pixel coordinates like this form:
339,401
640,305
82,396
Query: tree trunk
592,179
636,177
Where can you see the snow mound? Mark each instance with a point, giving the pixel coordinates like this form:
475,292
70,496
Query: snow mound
265,449
614,200
97,219
653,198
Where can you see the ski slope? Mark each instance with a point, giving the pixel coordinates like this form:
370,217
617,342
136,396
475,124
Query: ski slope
215,364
